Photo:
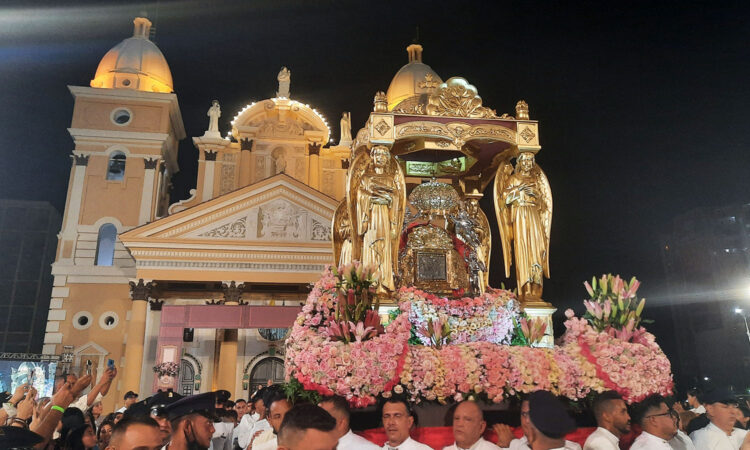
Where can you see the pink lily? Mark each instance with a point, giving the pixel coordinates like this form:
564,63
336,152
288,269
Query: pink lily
588,288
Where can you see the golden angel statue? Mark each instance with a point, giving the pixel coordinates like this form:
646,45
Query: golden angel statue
342,235
376,195
485,237
523,204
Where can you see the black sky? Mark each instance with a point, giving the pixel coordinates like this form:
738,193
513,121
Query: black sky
642,105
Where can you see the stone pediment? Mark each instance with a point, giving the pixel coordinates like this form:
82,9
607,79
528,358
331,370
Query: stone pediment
280,219
274,226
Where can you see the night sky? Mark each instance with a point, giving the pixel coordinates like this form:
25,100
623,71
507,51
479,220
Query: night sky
642,106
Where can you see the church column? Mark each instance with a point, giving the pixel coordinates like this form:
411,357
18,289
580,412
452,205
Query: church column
314,165
73,211
246,146
226,377
136,330
147,195
208,175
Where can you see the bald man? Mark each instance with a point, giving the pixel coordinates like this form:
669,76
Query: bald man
468,428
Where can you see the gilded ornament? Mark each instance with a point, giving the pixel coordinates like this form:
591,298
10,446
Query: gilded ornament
429,82
382,127
527,134
376,196
380,102
434,198
522,110
523,204
456,97
342,235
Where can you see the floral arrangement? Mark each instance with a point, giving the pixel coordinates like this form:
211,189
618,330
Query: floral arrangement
167,368
356,315
473,363
614,306
532,330
489,317
358,370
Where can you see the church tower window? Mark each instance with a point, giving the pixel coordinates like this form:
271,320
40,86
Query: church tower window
116,167
105,245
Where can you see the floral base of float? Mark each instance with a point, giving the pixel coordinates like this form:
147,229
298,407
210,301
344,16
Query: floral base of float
478,363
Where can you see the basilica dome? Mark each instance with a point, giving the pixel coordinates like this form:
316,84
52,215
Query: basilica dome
135,63
413,83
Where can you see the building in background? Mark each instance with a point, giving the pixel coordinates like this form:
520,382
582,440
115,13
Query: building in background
210,284
28,237
707,264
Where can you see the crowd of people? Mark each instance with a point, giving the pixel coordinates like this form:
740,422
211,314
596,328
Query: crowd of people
270,420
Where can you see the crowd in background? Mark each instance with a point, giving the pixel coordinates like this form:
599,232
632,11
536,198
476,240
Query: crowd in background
73,419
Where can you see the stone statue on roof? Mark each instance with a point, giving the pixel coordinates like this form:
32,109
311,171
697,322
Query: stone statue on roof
284,77
346,128
214,112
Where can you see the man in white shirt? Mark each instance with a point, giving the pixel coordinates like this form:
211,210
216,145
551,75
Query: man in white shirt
658,421
468,428
694,401
278,408
251,423
549,422
398,420
612,419
307,427
506,440
338,407
720,433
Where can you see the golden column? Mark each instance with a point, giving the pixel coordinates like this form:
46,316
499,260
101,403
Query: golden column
139,293
226,373
313,164
246,146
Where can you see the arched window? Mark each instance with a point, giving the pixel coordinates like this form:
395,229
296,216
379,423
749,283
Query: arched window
105,245
116,167
268,369
187,378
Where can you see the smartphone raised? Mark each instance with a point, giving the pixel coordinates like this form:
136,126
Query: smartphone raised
110,363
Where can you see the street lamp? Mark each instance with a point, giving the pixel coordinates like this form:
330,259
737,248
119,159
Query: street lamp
744,317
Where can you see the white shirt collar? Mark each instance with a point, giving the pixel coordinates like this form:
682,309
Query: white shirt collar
609,435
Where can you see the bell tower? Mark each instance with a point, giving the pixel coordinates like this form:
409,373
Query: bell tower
126,127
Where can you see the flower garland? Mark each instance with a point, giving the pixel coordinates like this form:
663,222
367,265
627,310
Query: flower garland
489,317
584,361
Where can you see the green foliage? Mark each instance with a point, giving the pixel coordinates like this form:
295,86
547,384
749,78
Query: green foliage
295,391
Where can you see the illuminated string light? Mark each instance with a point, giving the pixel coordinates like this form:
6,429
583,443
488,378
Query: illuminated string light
276,101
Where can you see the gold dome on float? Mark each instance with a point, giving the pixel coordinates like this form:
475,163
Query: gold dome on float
135,63
414,82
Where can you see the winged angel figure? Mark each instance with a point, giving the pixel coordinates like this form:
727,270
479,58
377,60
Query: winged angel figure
523,204
376,195
342,235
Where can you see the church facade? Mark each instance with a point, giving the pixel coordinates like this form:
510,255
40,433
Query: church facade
210,284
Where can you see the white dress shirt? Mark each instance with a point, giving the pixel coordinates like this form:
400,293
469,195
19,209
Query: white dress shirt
244,436
700,409
222,437
351,441
602,439
408,444
712,437
83,402
262,438
647,441
481,444
242,430
523,444
681,441
271,444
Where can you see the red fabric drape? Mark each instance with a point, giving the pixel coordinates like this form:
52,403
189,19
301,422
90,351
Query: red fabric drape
439,437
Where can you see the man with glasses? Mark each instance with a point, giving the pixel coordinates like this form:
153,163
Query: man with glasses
720,433
659,424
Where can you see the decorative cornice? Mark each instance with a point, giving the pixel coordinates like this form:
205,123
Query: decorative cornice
150,163
246,144
313,148
233,292
81,160
140,291
156,304
210,155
